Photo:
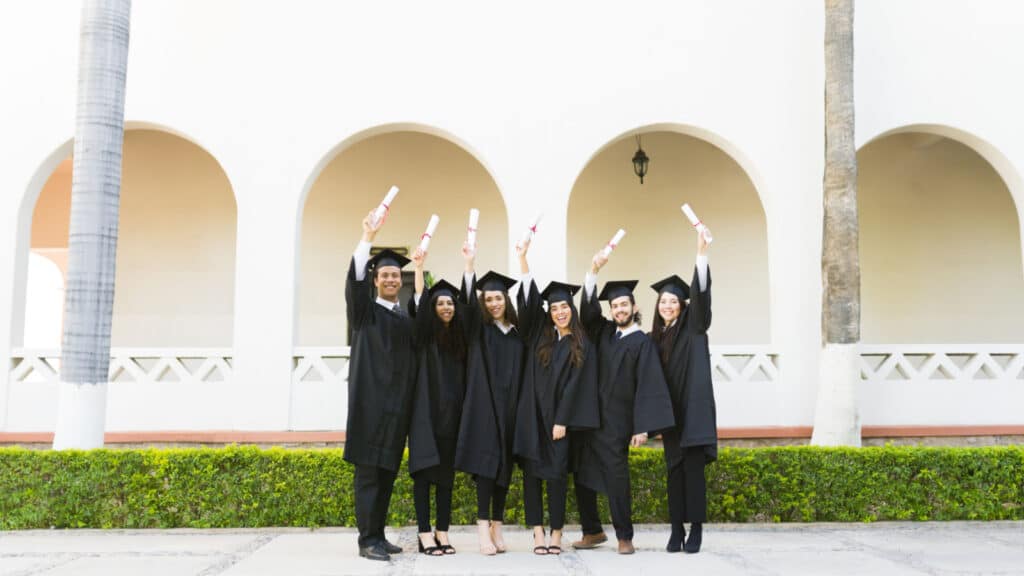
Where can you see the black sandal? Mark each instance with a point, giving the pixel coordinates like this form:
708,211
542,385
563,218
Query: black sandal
446,549
430,550
540,550
554,550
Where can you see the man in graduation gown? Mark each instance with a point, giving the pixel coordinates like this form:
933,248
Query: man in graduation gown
381,382
634,401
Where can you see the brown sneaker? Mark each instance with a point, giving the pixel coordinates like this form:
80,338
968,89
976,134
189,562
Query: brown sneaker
590,541
626,547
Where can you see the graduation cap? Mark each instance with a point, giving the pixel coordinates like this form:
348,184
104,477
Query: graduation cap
387,257
559,292
443,288
617,289
495,282
674,285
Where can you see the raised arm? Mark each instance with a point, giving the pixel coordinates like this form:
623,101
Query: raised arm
591,317
699,318
468,304
420,312
358,289
531,313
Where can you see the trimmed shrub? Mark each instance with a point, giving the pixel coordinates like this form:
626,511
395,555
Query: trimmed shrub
252,487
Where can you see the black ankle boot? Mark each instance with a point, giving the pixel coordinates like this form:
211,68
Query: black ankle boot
693,542
675,540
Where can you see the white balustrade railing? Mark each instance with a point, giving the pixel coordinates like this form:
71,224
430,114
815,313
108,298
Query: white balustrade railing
942,362
142,365
320,364
729,364
741,364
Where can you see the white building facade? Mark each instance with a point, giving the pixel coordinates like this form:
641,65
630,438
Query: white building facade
258,134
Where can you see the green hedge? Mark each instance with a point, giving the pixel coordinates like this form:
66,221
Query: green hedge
249,487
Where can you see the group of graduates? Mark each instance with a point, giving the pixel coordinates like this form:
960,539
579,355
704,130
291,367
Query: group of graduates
480,386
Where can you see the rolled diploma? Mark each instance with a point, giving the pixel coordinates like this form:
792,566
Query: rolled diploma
431,226
696,222
614,242
474,219
528,234
385,204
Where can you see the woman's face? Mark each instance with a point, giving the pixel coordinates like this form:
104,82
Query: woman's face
561,314
444,306
669,307
494,301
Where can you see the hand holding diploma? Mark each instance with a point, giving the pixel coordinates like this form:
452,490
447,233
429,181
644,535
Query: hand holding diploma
385,206
607,250
530,230
431,227
701,228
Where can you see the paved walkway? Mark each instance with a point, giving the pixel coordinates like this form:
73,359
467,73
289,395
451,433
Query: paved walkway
881,548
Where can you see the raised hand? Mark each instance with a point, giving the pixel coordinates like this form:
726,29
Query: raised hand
418,257
598,262
702,242
371,226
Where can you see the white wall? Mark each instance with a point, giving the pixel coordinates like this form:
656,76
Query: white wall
531,92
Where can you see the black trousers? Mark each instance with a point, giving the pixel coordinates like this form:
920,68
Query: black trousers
373,488
590,520
490,499
533,501
443,501
687,489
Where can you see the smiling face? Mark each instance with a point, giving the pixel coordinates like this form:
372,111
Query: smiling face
669,307
388,280
444,306
561,315
623,310
494,301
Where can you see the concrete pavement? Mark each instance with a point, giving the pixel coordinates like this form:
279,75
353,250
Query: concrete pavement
733,549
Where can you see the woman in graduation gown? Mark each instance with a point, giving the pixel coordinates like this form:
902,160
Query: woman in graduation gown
680,334
558,394
494,366
440,342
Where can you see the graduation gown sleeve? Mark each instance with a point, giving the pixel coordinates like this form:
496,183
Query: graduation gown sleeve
652,403
423,451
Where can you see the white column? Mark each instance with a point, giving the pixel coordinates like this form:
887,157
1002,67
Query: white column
794,253
264,301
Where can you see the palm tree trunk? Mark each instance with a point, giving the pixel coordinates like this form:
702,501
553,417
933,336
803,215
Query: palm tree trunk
92,246
836,419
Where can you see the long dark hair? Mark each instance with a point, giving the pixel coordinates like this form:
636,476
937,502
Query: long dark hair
665,338
510,317
549,335
450,339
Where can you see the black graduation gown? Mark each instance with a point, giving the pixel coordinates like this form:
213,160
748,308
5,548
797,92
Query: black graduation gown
494,367
633,399
557,394
381,378
440,390
688,373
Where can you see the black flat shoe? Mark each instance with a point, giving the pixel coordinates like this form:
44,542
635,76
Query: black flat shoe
675,540
391,548
692,545
374,552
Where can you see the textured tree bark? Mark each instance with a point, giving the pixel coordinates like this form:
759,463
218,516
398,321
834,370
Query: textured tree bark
836,419
92,244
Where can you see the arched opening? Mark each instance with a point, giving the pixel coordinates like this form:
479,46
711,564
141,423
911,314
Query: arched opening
436,175
940,242
176,244
684,167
